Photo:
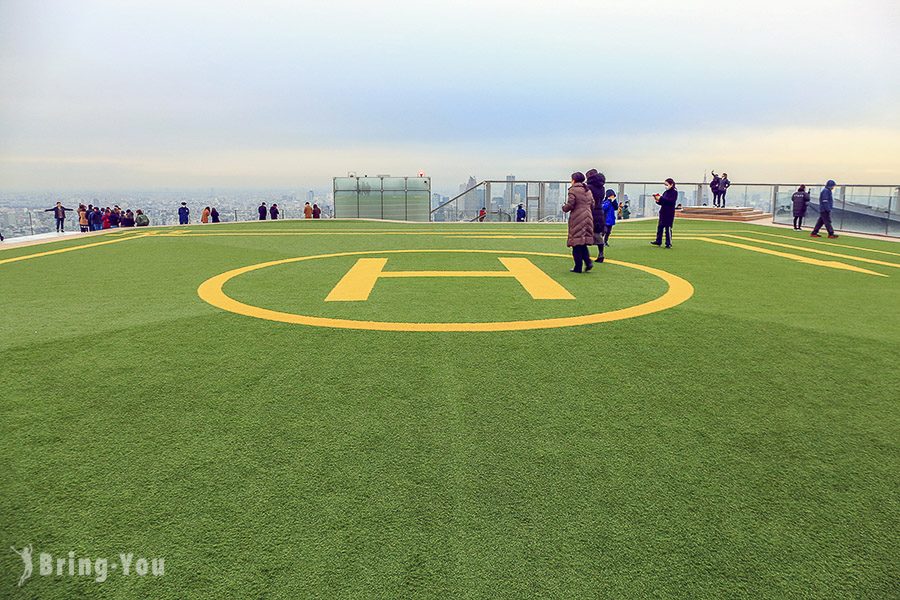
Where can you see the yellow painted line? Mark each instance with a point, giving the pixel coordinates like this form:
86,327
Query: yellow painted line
538,284
72,248
823,242
816,251
679,290
803,259
357,284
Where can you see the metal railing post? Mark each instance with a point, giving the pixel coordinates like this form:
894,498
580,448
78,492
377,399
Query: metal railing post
774,201
30,222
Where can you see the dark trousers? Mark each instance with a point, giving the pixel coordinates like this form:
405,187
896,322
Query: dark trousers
659,233
798,222
606,234
582,256
824,219
60,224
182,220
722,199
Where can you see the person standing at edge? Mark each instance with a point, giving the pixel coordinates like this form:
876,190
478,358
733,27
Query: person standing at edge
183,214
83,218
723,188
317,212
59,212
263,211
714,188
800,200
667,203
826,204
596,182
140,219
214,214
581,222
481,215
521,214
307,211
274,212
204,216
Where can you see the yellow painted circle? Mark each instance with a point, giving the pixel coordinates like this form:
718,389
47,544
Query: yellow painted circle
211,291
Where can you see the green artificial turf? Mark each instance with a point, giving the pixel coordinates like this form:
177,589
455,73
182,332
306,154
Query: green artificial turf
745,443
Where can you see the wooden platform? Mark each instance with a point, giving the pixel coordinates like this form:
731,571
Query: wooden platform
738,213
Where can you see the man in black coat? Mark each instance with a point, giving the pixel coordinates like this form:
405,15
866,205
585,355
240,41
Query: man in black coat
667,203
263,211
596,182
59,211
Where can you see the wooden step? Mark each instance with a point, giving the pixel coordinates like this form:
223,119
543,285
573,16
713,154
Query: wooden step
743,216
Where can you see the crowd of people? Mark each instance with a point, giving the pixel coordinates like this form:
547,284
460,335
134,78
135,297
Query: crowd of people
592,215
94,218
309,211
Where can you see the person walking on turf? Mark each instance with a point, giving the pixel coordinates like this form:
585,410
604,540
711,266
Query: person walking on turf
59,212
183,214
724,184
826,204
595,182
263,211
800,200
714,188
667,203
581,222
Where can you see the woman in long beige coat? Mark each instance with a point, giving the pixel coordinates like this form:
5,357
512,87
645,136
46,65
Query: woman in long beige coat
581,222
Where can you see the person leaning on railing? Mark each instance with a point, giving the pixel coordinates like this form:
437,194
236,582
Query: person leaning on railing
140,219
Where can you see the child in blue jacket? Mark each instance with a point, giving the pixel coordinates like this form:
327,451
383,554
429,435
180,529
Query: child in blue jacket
610,206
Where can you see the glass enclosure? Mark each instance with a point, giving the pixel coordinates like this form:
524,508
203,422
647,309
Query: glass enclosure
393,198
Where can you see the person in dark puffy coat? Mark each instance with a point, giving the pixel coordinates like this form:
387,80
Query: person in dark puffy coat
596,182
667,203
800,200
581,222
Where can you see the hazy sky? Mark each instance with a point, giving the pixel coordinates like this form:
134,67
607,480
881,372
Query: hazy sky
138,93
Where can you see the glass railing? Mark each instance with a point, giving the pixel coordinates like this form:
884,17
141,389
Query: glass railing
857,208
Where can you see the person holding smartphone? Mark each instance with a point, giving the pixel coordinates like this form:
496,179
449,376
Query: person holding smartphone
666,202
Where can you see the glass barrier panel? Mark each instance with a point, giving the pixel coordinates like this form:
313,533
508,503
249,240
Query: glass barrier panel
395,205
417,202
345,184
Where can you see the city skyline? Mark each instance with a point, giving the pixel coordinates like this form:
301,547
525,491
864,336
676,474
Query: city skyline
98,95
